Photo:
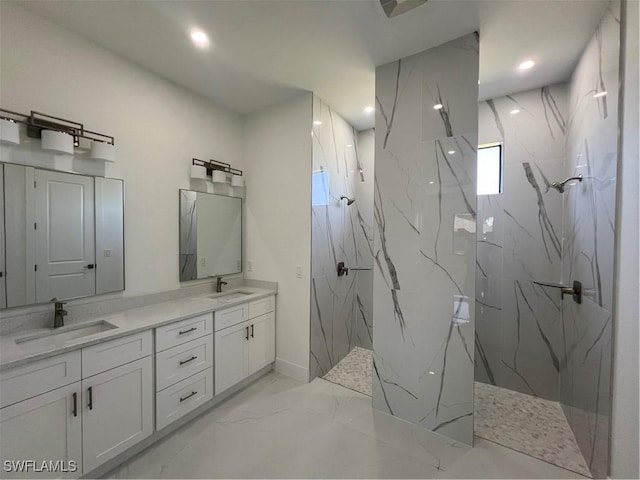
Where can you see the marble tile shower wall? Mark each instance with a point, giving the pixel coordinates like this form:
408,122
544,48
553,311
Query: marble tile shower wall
424,240
589,219
340,315
519,242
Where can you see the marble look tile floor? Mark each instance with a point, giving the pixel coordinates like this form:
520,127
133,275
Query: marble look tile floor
353,371
280,428
531,425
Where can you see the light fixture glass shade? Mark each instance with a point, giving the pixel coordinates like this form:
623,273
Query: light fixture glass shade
237,181
103,151
9,132
219,176
199,172
57,141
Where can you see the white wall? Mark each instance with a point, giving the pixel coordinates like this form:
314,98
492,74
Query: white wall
278,220
625,432
158,127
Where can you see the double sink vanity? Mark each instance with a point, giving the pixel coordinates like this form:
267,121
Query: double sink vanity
94,393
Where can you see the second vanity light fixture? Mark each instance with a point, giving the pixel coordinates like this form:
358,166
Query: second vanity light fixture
57,134
216,172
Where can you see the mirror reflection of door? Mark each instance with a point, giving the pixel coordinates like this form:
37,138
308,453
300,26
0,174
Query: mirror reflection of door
3,291
64,236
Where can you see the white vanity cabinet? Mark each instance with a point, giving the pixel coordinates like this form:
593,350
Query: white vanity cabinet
245,344
41,416
184,367
117,400
85,407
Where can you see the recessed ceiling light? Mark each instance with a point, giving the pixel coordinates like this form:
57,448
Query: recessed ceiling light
526,65
199,38
514,111
369,109
599,94
451,152
317,122
437,106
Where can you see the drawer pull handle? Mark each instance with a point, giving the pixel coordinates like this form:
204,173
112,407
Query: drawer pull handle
90,392
182,332
247,334
182,399
251,331
182,362
75,404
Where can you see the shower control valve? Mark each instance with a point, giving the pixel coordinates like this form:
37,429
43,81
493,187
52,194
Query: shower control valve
342,270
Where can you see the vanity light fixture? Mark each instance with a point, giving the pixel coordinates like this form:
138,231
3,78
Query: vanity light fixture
437,106
103,151
218,176
237,181
59,142
199,172
526,65
216,172
57,134
9,132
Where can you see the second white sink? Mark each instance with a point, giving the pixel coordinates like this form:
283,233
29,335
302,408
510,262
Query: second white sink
62,335
228,297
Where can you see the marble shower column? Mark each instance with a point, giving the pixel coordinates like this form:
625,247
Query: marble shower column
424,238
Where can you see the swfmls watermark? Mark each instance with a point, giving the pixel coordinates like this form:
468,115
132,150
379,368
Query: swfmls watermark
39,466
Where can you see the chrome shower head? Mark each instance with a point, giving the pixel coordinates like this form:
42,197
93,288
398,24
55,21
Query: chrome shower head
349,200
559,186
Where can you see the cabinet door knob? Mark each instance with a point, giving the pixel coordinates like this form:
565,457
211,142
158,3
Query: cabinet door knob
90,392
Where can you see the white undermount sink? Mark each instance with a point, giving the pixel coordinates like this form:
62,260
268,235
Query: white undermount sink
227,297
61,336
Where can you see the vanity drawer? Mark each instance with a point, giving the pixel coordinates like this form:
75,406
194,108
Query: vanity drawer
27,381
180,362
262,306
231,316
183,331
105,356
183,397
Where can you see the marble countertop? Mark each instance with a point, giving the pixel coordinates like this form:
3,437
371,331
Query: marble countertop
127,322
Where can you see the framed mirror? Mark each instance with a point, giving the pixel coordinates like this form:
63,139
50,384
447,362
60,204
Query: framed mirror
62,236
210,235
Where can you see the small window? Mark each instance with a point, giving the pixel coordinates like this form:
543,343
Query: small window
490,169
320,188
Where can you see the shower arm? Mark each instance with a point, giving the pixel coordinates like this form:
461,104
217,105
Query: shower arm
574,290
560,185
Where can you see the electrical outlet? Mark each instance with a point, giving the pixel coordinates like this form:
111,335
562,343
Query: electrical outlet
107,253
249,265
299,271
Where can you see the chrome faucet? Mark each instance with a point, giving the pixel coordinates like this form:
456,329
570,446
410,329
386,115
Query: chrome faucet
219,284
60,313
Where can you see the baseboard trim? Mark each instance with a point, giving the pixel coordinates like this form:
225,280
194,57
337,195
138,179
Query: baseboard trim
292,370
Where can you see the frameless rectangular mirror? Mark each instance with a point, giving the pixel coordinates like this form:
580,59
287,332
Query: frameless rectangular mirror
210,235
62,235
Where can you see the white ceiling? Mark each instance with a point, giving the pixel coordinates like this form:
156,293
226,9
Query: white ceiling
264,51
